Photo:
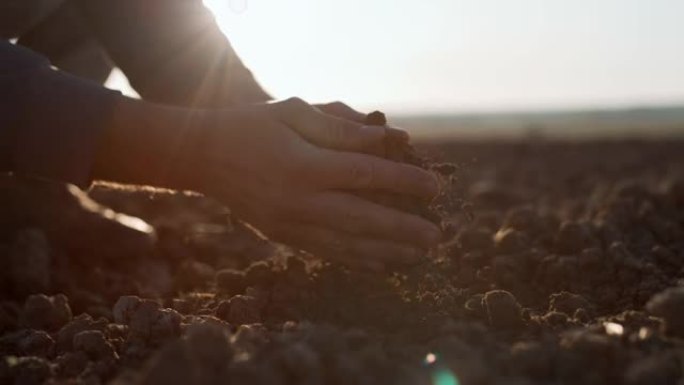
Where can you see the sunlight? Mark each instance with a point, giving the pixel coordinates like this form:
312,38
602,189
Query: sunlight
446,55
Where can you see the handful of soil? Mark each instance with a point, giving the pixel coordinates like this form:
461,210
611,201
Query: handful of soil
397,148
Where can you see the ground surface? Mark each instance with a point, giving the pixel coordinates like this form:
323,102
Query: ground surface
563,266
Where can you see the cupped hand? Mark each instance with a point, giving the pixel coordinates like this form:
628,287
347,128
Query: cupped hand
287,169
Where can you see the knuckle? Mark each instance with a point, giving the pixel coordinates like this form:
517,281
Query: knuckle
338,246
352,220
338,131
338,105
362,174
295,102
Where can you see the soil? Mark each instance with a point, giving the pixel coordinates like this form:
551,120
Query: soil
397,148
563,264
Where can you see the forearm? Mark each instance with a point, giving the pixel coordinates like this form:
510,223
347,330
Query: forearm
172,51
50,122
143,143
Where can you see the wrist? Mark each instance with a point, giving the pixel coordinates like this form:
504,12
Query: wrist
142,142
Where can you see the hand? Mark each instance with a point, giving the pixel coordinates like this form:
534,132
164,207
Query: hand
343,111
282,168
70,220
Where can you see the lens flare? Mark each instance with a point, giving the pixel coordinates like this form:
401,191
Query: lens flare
440,375
444,377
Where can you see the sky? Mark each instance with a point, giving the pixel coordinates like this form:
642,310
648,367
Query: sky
444,56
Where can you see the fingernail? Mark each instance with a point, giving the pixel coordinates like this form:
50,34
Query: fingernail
432,236
398,133
374,131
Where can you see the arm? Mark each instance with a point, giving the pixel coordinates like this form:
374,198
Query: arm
286,168
281,167
172,51
50,122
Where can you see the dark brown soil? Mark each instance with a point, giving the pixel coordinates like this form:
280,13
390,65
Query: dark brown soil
564,266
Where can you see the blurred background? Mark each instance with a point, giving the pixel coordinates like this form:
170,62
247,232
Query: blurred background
472,67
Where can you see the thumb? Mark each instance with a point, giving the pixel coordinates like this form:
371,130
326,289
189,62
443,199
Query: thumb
330,131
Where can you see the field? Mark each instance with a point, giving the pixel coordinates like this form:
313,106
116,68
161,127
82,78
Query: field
563,264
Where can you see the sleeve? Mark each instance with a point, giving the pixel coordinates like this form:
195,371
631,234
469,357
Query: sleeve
50,122
172,52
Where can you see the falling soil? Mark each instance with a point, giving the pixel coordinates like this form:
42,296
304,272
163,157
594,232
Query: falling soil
563,265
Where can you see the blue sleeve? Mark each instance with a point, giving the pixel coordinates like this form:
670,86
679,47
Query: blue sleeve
50,122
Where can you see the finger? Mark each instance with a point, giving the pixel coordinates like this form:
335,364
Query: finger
349,249
326,130
341,110
357,216
398,134
349,171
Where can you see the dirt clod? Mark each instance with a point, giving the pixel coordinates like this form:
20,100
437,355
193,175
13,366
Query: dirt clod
565,269
43,312
503,310
669,305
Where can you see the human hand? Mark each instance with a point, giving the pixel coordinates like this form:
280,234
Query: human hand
343,111
283,167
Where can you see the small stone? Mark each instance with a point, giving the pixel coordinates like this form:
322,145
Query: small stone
27,342
124,308
572,237
581,315
568,303
248,338
31,370
444,169
71,364
258,274
48,313
83,322
36,343
231,282
94,344
142,319
475,306
669,305
240,309
503,310
523,218
151,323
509,241
555,319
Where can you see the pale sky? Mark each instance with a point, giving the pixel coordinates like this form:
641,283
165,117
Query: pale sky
462,55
